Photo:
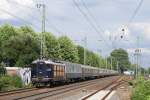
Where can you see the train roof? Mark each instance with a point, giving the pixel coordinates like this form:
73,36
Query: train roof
68,62
89,67
46,61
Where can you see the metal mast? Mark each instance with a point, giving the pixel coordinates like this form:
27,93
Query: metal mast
85,43
137,58
43,51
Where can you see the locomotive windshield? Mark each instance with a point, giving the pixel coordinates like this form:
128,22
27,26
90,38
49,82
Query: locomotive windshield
41,70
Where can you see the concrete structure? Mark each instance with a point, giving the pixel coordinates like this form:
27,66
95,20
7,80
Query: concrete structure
24,73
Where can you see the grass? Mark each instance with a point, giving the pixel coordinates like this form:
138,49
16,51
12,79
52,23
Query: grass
10,82
141,89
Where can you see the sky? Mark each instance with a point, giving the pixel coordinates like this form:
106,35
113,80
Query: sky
100,21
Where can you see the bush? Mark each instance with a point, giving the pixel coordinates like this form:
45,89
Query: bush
10,82
142,90
17,82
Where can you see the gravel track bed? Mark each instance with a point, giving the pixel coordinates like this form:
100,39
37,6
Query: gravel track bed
65,92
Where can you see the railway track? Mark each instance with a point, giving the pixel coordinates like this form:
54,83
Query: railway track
4,93
59,91
112,86
52,91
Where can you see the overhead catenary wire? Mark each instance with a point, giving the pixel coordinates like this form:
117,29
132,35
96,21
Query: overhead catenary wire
17,17
91,15
52,26
50,23
22,5
133,15
89,21
94,20
123,30
136,11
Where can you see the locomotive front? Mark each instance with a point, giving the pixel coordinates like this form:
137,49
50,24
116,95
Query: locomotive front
41,72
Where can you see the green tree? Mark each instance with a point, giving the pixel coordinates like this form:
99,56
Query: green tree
81,54
93,59
52,46
6,31
68,50
22,48
120,56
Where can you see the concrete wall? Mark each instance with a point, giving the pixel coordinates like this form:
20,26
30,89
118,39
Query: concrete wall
24,73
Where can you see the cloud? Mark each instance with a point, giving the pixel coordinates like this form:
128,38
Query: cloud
141,30
15,7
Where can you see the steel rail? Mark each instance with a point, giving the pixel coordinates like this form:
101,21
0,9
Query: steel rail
4,93
60,90
105,87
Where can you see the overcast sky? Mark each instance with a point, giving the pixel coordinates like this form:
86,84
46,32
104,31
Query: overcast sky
108,18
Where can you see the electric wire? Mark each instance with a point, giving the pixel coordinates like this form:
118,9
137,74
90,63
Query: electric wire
92,17
88,20
14,2
52,26
17,17
136,11
131,18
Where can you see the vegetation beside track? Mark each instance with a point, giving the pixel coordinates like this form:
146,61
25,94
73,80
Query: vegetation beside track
10,82
141,89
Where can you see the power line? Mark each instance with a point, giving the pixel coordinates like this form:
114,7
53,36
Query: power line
50,23
91,15
133,15
22,5
136,11
23,20
35,9
131,18
88,20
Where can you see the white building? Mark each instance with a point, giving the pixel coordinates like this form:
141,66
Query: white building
128,72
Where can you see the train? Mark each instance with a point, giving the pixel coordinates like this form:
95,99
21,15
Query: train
48,72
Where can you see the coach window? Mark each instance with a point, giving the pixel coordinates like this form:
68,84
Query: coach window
58,70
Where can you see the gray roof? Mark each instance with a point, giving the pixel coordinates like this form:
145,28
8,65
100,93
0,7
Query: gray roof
46,61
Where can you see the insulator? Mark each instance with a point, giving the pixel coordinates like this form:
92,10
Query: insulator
121,36
123,29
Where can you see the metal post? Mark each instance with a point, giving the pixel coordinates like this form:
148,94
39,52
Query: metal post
43,31
117,66
138,53
85,43
136,65
111,63
106,63
137,56
43,47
